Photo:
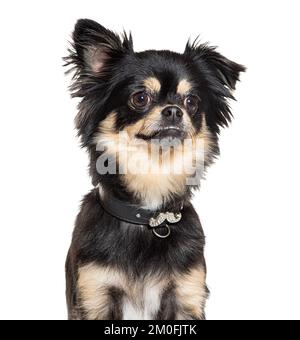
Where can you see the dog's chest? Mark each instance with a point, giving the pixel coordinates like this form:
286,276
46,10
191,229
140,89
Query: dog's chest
143,306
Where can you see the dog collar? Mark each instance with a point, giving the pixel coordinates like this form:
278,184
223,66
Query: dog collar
134,214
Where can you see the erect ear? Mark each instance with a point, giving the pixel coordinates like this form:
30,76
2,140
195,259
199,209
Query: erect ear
94,53
95,47
226,71
221,75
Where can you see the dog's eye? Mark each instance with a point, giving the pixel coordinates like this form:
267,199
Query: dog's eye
192,103
140,99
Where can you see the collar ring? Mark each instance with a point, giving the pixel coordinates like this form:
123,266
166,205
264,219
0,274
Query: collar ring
162,236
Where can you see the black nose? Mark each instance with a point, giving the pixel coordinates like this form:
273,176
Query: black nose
173,114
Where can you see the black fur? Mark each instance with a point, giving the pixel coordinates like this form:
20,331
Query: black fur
213,77
101,237
115,303
168,307
106,71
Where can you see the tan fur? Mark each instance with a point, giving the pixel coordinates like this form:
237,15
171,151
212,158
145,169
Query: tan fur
206,137
153,185
107,134
153,190
147,125
152,84
95,280
183,87
191,293
108,124
142,297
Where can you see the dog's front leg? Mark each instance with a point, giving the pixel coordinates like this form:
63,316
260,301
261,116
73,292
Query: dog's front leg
99,294
191,294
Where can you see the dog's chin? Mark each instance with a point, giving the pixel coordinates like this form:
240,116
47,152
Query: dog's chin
166,133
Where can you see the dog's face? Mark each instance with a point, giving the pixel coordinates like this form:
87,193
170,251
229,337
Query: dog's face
159,103
149,95
157,93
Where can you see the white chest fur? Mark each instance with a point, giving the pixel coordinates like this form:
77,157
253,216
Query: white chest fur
148,306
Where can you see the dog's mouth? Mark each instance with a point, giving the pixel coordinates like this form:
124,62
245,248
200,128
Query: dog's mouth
164,132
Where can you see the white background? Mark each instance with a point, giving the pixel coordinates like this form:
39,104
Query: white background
249,204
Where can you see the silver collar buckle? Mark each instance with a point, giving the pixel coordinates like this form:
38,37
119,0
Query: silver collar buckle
161,220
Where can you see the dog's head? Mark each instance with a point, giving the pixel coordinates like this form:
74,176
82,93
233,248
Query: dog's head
149,95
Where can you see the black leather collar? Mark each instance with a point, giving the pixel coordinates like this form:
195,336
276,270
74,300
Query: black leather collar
136,215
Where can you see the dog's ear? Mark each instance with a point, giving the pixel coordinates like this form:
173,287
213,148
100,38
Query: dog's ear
221,74
95,49
93,58
226,71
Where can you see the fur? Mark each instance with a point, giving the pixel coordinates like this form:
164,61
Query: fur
116,270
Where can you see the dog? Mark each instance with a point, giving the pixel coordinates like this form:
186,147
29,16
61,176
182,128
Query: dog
138,246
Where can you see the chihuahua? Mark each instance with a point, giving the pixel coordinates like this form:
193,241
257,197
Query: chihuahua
150,122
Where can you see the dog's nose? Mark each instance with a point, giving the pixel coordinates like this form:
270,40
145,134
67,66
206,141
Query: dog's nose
172,114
